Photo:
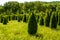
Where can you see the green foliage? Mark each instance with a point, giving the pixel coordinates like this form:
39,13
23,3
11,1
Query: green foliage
5,20
54,21
37,17
59,18
19,17
32,25
14,17
9,17
14,6
42,15
47,19
1,19
41,21
28,7
25,18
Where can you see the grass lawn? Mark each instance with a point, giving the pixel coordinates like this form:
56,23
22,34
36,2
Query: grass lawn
19,31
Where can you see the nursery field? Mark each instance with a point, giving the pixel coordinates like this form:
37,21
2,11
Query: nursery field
19,31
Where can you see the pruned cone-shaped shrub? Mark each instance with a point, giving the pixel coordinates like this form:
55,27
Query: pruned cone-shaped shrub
32,25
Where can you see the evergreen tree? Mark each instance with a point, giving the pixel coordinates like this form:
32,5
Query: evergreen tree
32,25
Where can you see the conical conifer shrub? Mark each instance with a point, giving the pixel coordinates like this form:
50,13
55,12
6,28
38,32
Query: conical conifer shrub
32,25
